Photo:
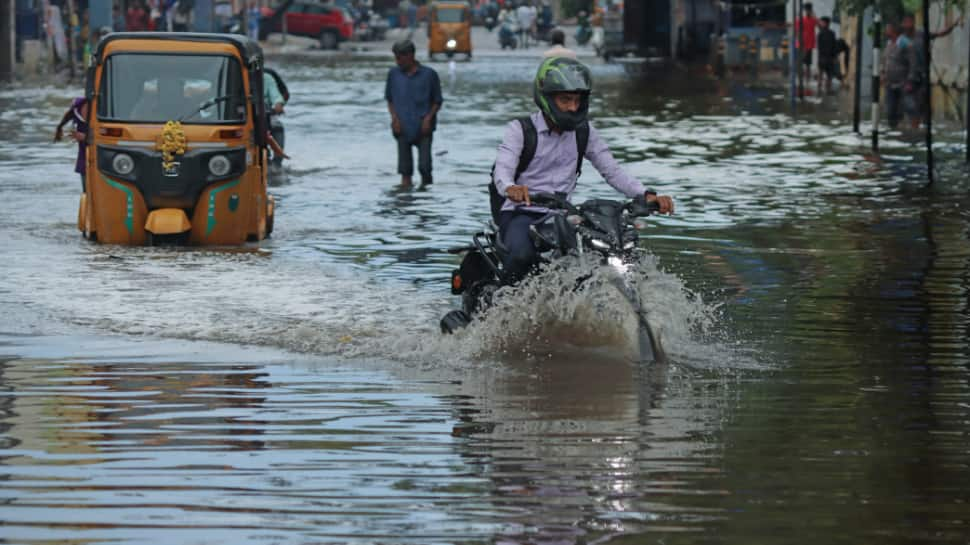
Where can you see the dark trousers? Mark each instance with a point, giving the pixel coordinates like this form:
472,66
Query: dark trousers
405,161
279,134
521,256
894,105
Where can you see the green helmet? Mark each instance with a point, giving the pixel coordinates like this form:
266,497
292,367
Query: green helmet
563,75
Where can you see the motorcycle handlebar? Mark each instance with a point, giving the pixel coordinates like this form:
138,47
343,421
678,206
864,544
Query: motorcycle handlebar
640,207
549,200
637,206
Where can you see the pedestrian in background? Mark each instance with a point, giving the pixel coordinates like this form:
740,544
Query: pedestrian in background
558,40
412,16
805,30
895,71
180,15
828,65
916,87
117,19
413,94
524,15
136,20
252,25
78,115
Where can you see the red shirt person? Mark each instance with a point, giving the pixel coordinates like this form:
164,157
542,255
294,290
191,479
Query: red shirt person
137,18
805,36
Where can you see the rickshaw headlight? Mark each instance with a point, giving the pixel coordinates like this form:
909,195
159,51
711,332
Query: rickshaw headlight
219,165
451,44
123,164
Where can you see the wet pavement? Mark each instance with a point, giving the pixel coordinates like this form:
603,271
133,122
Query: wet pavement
298,391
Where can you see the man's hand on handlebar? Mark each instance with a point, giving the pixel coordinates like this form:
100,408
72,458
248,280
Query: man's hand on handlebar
666,203
518,193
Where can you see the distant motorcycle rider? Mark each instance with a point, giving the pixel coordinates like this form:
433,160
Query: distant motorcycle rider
555,136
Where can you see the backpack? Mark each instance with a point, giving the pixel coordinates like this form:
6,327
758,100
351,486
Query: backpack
529,144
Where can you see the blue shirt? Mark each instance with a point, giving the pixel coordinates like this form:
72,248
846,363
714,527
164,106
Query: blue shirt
412,96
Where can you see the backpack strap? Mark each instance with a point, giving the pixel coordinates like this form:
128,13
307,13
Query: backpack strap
530,141
582,140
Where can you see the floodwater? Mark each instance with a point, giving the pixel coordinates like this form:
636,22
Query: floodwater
814,299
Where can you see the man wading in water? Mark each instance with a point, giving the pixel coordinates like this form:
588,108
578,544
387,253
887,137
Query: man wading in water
413,94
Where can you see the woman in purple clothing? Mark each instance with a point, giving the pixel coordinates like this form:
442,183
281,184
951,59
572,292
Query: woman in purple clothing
78,114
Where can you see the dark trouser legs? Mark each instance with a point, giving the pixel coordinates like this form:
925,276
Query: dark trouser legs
521,256
279,134
405,161
894,105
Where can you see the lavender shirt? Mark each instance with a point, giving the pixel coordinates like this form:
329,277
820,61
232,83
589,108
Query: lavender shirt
554,166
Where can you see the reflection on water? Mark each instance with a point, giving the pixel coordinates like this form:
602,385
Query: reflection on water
816,296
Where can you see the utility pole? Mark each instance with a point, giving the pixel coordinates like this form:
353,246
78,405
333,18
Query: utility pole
928,104
71,37
793,56
857,92
799,61
8,39
876,64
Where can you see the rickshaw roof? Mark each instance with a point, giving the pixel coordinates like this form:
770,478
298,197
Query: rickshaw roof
248,49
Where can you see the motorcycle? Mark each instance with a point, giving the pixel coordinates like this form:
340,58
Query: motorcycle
508,35
607,229
371,27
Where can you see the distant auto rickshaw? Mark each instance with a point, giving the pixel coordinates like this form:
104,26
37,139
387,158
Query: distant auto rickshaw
177,141
450,29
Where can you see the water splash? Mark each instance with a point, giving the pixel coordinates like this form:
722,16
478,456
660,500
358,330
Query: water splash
575,304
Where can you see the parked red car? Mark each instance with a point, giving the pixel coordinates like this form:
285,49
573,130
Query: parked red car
326,22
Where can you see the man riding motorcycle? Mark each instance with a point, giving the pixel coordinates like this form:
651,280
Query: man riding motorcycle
544,152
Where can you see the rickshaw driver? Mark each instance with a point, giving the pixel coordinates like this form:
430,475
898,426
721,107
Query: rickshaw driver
168,103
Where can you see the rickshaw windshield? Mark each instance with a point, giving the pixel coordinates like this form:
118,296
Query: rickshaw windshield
152,88
449,15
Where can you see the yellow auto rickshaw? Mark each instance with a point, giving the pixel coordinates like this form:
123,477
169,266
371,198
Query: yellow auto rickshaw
177,141
450,29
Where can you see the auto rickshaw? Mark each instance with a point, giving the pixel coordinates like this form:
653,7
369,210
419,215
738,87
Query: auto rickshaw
177,141
450,29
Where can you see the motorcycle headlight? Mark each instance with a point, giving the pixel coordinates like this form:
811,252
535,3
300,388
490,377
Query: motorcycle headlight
219,165
599,244
123,164
451,44
574,220
629,245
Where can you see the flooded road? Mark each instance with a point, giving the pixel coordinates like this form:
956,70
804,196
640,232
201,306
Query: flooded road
815,300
